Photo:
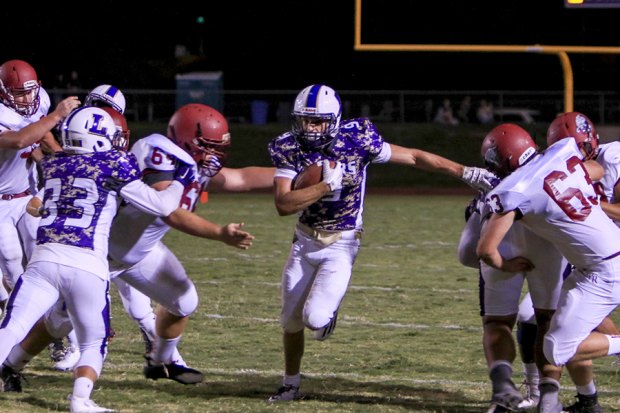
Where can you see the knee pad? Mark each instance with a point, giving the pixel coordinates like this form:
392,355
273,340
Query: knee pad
92,356
187,303
317,318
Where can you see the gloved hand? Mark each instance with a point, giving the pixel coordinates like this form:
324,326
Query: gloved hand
332,176
184,173
480,178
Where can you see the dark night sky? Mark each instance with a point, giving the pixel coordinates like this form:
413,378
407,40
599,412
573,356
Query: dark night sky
287,44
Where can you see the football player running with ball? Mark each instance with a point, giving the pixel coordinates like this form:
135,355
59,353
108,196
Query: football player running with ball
327,236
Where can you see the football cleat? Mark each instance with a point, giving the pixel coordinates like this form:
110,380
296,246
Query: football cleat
531,396
72,356
11,379
172,371
509,399
585,404
326,331
84,405
285,393
57,350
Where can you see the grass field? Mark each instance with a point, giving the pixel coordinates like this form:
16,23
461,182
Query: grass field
408,336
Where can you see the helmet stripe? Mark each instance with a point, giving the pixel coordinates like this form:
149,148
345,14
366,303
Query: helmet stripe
313,96
112,91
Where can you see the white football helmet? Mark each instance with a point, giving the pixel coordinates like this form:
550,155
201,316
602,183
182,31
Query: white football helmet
87,129
316,103
106,95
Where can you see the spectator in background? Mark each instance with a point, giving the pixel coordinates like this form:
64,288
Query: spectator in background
464,109
484,113
445,115
74,82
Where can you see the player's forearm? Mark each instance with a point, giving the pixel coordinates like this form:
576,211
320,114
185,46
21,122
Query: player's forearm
29,135
192,224
295,201
425,160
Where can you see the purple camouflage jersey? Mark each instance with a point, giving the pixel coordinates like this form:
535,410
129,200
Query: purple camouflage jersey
80,197
356,145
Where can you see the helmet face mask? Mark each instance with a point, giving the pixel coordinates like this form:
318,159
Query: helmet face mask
106,95
316,116
202,132
86,130
20,87
120,140
577,126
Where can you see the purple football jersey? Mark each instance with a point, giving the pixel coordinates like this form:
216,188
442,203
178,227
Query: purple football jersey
80,197
357,143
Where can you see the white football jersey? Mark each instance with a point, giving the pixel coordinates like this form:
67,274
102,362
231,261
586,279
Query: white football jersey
17,171
609,158
135,233
557,200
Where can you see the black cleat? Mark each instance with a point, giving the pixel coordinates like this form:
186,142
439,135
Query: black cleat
11,379
585,404
172,371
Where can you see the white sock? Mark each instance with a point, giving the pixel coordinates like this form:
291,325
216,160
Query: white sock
587,390
18,358
530,370
83,387
614,344
164,352
294,380
147,324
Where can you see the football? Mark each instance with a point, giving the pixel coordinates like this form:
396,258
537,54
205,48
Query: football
311,175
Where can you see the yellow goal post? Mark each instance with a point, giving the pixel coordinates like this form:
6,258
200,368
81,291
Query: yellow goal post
558,50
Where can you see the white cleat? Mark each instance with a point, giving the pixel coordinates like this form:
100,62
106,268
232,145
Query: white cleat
528,404
72,356
84,405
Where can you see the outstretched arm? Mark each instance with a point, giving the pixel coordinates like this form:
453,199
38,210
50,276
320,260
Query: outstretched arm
37,130
478,178
242,179
195,225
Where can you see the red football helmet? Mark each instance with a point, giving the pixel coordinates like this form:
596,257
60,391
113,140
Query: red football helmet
579,127
121,137
506,148
19,87
203,133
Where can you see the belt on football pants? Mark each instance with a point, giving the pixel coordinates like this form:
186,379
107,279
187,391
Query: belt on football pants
328,237
8,197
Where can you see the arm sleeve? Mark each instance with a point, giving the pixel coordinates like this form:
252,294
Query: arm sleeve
151,201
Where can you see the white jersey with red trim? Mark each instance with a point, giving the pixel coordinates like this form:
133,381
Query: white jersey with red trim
609,158
134,234
557,200
17,170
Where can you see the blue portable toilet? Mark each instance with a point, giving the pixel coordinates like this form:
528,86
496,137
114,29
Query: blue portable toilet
260,110
200,87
